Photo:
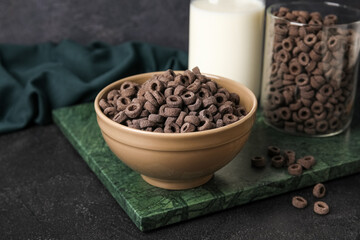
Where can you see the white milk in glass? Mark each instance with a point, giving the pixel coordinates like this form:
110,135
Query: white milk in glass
225,39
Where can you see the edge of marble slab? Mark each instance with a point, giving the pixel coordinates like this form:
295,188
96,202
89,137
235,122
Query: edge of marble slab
146,222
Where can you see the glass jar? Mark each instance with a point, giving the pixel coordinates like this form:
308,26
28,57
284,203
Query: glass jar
310,67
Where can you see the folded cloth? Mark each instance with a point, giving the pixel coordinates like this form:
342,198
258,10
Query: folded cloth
36,79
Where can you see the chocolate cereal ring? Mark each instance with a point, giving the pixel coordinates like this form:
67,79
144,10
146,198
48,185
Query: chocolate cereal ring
219,122
196,70
320,116
302,46
295,169
310,123
150,98
277,161
179,90
218,116
156,118
128,89
316,57
212,86
302,79
321,208
309,131
295,68
209,101
326,90
226,108
196,105
172,111
280,30
110,111
159,97
110,96
122,102
150,107
322,126
293,31
224,91
203,93
204,125
320,47
187,127
311,66
319,190
174,101
317,107
168,91
155,85
103,104
284,113
296,51
172,128
295,106
283,55
287,44
258,161
195,86
229,118
330,19
188,97
180,119
159,130
304,113
133,110
193,120
205,114
303,59
306,162
212,109
145,123
310,39
333,43
299,202
290,126
180,80
144,113
191,74
289,156
235,98
273,151
307,94
317,81
170,120
120,117
220,98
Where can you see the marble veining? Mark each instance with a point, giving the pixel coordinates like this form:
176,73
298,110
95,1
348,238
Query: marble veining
237,183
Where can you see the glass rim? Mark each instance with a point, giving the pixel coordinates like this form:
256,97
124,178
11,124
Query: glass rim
327,3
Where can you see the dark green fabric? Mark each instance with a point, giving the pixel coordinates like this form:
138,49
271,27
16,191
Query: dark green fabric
36,79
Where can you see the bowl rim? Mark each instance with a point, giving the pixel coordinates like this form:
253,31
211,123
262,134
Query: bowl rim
127,129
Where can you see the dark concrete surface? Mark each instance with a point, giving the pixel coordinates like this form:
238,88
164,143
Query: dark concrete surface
163,22
48,192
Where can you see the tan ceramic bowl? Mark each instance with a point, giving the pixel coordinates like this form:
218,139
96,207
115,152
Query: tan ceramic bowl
182,160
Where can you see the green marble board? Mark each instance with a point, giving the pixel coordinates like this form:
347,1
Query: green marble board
237,183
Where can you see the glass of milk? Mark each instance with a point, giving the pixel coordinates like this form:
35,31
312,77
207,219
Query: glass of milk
226,38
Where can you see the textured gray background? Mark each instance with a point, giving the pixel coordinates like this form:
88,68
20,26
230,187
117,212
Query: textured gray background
163,22
48,192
